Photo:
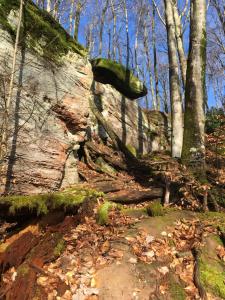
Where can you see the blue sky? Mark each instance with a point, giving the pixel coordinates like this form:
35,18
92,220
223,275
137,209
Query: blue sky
91,9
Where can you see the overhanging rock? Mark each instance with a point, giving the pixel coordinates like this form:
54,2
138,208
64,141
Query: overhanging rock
110,72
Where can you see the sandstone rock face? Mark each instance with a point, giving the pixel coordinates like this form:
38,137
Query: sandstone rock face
50,116
142,131
48,119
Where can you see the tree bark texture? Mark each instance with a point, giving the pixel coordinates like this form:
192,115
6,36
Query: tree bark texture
194,117
175,94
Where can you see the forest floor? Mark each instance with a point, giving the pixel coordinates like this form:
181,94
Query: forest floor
123,245
135,257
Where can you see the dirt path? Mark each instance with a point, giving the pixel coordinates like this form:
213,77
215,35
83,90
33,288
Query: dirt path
134,257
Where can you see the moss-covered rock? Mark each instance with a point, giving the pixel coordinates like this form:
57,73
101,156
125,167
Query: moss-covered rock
42,204
43,33
155,209
110,72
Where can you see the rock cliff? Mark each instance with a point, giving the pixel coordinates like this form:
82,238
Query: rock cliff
50,113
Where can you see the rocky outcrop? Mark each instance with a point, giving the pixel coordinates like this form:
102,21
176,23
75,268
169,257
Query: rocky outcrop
141,130
110,72
50,114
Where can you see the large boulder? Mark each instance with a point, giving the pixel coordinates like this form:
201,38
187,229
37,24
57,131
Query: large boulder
122,79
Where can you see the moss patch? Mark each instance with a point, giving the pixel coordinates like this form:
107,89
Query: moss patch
176,290
122,79
43,33
155,209
59,248
103,213
212,270
106,168
213,278
132,150
23,270
42,204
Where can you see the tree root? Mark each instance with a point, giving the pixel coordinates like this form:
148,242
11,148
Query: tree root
196,276
133,197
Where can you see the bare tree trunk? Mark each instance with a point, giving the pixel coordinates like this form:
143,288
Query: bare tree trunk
155,61
89,38
109,44
136,45
180,47
127,33
147,54
71,17
77,19
56,9
4,138
48,5
175,94
194,117
114,30
102,27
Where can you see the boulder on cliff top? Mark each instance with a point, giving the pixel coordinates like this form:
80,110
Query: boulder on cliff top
110,72
42,33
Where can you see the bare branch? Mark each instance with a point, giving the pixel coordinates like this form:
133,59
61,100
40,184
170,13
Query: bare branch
158,12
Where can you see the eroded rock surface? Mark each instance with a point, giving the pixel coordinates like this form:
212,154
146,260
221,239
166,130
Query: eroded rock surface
48,119
50,114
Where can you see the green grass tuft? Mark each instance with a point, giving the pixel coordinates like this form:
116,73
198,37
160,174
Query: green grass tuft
155,209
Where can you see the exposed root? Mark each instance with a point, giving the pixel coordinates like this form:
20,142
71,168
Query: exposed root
196,275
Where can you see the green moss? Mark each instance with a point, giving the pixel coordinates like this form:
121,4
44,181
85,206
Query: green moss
43,33
23,270
111,72
176,290
132,150
59,248
155,209
105,168
42,204
213,278
216,218
103,213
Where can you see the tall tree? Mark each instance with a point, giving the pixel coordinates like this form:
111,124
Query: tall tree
79,6
175,94
180,47
194,117
155,59
48,5
149,65
114,29
102,21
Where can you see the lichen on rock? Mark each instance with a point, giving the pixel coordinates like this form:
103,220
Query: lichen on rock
111,72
